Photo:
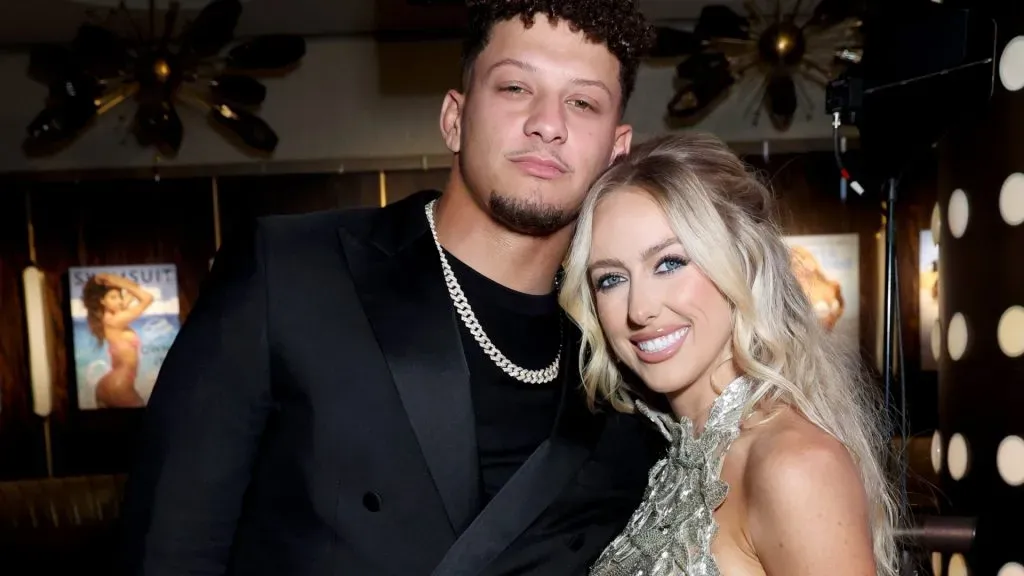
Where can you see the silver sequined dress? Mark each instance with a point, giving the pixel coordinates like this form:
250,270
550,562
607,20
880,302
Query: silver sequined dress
671,531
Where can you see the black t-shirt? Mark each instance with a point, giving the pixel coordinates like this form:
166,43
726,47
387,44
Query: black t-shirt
512,418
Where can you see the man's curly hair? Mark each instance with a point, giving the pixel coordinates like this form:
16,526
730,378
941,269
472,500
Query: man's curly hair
618,24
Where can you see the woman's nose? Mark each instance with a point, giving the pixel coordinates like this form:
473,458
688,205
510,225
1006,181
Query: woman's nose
644,306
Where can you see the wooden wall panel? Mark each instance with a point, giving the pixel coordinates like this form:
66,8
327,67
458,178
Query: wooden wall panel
246,197
403,183
21,443
113,223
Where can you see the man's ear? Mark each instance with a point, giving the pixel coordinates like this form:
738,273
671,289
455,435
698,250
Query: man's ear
451,120
623,140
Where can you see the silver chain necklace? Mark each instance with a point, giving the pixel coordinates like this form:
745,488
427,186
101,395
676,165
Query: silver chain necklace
542,376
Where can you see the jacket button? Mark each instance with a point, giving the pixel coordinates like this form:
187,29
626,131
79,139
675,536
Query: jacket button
576,542
371,500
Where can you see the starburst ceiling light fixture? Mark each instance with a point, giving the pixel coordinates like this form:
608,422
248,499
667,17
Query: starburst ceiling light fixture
784,47
100,70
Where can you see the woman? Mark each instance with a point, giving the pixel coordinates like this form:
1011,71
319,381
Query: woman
110,317
677,276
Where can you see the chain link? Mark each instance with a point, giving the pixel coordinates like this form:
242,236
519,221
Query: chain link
542,376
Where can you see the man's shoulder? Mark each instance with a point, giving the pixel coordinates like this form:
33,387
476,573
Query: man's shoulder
277,227
317,226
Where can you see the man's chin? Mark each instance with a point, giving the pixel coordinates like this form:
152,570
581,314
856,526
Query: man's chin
534,231
529,217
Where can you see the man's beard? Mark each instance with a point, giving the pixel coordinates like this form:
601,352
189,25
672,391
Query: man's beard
530,218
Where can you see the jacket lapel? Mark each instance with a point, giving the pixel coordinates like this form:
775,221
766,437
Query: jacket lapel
398,277
536,484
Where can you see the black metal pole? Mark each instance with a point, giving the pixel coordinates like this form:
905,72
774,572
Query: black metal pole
891,294
888,339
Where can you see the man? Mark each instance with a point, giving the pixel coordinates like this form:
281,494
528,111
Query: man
395,391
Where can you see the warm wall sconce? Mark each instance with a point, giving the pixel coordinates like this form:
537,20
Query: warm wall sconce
39,341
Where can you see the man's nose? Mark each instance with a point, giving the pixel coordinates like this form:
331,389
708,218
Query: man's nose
547,120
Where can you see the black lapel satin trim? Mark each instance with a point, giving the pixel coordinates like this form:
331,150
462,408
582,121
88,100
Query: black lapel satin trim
399,280
536,484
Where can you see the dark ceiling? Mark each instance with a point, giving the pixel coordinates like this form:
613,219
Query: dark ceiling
35,21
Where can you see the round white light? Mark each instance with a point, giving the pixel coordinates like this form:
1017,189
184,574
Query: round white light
1010,332
936,451
936,224
1011,569
1011,65
957,336
1010,460
958,213
957,565
1011,199
958,456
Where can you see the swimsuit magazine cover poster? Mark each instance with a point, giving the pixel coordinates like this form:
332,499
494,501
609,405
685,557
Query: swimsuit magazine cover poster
828,268
124,319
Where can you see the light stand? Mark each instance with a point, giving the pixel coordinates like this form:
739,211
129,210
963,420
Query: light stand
890,291
891,327
893,334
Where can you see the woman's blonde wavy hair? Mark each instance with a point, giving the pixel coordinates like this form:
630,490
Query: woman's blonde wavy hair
722,214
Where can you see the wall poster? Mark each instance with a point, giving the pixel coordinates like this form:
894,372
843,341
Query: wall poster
124,319
828,268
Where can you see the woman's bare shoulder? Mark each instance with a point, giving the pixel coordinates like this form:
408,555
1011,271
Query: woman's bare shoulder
786,449
806,503
786,434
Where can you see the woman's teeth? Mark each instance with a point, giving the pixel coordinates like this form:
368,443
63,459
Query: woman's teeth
662,342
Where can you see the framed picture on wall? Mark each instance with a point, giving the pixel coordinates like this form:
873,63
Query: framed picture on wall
928,296
828,268
124,320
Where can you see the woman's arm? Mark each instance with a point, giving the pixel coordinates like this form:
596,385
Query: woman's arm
808,512
142,297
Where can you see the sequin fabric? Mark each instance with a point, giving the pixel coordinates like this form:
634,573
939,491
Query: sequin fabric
670,533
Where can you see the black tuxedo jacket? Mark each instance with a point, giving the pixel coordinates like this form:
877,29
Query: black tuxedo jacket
313,417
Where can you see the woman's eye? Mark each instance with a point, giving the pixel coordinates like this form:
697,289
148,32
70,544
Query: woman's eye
607,281
670,264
